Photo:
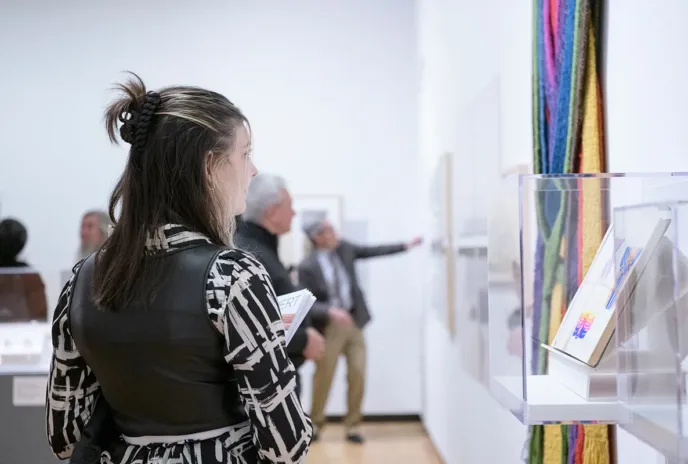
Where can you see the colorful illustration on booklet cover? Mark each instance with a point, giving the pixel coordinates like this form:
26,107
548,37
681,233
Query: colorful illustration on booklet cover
584,323
588,317
627,261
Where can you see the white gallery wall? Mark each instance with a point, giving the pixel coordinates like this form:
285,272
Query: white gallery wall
463,44
329,88
462,47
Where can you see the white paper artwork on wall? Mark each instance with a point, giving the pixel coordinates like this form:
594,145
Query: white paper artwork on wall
294,246
442,242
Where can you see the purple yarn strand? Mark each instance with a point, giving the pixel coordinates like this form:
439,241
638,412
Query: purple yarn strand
573,435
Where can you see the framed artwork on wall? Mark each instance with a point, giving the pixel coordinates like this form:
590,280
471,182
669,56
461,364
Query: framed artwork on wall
294,246
442,244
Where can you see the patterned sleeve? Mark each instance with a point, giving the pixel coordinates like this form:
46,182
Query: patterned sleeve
72,386
243,307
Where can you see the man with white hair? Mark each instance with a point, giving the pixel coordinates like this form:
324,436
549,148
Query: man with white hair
330,274
94,231
268,215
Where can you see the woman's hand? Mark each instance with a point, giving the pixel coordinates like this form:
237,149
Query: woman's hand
287,319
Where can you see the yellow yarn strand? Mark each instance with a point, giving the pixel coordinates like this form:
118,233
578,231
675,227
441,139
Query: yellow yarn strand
596,446
552,447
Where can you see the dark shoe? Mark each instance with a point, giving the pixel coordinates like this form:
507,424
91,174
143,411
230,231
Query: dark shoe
355,437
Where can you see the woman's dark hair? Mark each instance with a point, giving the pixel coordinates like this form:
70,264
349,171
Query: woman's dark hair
13,237
176,135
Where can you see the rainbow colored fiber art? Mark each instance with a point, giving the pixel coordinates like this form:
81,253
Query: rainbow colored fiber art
568,138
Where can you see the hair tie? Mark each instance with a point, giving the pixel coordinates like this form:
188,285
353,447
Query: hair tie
135,124
150,104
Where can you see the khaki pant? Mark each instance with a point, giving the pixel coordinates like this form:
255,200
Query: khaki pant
348,341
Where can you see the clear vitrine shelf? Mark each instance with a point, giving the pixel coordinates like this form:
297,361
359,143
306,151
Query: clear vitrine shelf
553,347
653,329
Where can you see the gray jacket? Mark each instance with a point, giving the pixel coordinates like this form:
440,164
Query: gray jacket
311,275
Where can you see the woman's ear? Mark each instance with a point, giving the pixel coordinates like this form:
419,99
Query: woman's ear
209,171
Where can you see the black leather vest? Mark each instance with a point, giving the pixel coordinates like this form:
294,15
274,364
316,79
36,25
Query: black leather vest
161,365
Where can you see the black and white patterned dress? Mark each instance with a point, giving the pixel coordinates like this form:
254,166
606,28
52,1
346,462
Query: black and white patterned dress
242,306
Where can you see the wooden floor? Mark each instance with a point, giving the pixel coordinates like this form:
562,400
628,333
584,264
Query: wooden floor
386,443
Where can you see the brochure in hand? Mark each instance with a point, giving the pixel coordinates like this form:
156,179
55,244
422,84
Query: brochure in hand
298,304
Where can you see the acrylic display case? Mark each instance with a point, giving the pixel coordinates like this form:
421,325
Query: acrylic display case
653,329
25,351
552,323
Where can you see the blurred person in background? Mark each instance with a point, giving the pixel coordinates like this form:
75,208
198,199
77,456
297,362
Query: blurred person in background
22,291
329,272
168,345
93,232
13,237
268,215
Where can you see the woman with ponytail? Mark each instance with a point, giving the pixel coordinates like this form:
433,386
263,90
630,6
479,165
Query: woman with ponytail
168,342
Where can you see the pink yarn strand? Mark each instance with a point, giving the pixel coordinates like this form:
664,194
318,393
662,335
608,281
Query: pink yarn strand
549,49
